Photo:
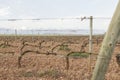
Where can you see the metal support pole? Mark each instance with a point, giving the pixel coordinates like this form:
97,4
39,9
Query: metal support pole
15,32
90,41
91,31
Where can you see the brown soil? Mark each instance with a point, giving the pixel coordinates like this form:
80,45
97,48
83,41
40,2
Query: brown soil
50,67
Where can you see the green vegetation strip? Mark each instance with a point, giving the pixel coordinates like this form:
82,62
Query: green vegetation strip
79,55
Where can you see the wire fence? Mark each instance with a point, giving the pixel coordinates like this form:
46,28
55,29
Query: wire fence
80,18
37,26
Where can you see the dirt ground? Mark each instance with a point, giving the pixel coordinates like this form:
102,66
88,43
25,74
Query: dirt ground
51,67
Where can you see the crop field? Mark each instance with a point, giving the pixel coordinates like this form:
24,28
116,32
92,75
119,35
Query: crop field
52,58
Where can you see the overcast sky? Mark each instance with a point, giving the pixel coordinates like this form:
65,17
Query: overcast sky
56,9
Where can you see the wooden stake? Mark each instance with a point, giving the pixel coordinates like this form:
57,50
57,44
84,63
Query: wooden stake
107,46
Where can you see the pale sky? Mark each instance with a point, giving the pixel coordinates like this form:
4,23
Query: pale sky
13,9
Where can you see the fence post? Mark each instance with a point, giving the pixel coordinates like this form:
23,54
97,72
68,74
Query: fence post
90,41
15,31
108,45
91,31
15,34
